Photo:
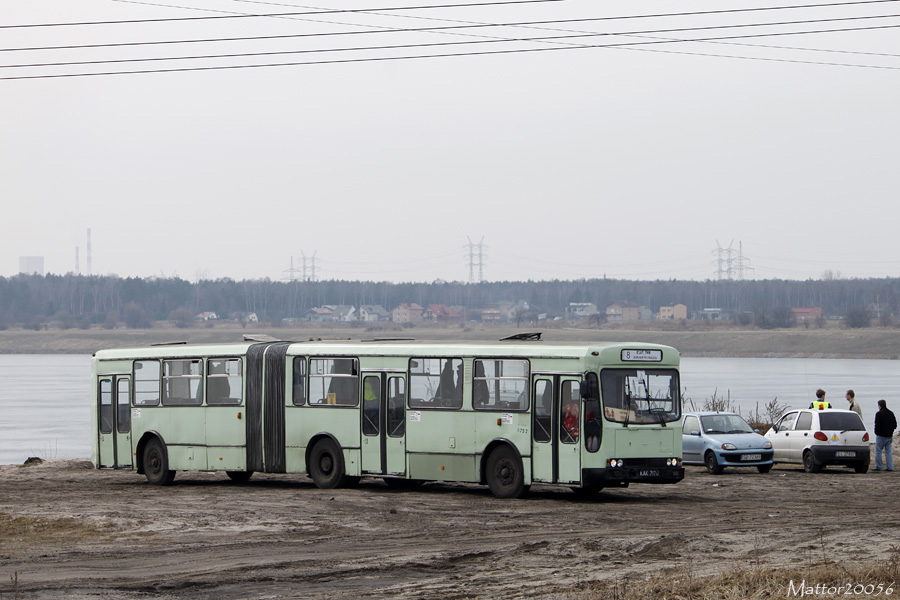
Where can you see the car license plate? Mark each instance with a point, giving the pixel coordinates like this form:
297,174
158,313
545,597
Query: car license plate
649,473
751,457
845,454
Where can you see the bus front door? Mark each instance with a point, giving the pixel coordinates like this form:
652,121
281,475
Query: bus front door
556,452
384,424
114,399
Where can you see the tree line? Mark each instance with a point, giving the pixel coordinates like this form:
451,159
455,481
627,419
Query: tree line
82,301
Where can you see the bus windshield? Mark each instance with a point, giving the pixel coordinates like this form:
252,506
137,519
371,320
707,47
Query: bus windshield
640,396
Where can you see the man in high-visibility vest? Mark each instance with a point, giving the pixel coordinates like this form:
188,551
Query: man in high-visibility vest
819,403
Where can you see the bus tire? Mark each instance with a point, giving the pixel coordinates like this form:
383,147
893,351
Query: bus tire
396,483
505,475
326,465
588,491
239,476
156,463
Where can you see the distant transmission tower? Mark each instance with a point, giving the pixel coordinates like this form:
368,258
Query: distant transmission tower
292,272
476,257
312,270
730,264
89,273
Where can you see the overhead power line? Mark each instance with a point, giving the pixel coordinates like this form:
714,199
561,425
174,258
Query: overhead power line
621,46
303,13
542,39
456,27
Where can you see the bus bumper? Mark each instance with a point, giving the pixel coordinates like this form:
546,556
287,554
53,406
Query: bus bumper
621,477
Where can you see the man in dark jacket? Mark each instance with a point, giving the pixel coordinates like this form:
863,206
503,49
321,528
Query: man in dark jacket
885,424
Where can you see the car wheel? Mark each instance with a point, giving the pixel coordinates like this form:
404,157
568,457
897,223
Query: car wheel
861,467
763,468
712,464
809,463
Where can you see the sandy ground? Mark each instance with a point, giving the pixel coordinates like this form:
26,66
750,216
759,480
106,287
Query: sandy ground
69,531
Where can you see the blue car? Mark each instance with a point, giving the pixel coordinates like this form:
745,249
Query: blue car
719,440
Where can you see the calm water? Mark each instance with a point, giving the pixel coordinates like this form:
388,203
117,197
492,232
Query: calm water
44,398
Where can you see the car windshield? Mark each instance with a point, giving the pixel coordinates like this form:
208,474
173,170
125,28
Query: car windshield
725,424
638,396
835,421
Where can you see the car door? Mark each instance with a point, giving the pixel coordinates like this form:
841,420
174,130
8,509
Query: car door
692,447
781,439
801,436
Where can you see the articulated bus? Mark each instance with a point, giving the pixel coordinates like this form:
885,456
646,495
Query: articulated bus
507,414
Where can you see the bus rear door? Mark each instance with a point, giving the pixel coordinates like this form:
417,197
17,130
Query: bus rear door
114,400
384,424
556,455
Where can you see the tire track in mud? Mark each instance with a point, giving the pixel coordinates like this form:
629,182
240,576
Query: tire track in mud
280,537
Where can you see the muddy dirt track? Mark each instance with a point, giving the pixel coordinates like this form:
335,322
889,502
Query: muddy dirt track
69,531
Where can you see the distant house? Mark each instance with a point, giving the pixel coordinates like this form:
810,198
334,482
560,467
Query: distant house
625,312
711,314
373,313
320,314
490,313
407,312
343,312
441,313
581,309
809,313
206,316
679,311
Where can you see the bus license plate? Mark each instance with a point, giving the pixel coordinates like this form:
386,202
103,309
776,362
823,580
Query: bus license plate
649,473
845,454
751,457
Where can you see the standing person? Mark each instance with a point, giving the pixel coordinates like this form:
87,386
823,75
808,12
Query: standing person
819,403
885,424
854,405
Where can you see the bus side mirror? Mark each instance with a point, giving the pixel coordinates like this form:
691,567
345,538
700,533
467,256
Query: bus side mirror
590,388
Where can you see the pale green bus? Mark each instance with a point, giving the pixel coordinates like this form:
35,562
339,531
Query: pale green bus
506,414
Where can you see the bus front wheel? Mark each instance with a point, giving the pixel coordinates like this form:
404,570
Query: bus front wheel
505,475
156,463
326,465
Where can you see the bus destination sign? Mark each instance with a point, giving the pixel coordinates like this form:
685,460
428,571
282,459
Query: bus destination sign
642,355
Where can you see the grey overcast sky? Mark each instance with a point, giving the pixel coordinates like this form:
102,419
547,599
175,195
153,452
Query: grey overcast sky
629,161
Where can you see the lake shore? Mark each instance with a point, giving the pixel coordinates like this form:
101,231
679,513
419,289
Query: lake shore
829,342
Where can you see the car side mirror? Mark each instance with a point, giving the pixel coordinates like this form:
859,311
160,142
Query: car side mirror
697,433
756,431
775,428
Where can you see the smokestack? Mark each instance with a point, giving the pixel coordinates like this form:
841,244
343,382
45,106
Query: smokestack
77,265
89,252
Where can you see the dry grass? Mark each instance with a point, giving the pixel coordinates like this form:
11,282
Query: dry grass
39,531
755,580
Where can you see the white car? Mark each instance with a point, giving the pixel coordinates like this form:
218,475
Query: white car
820,438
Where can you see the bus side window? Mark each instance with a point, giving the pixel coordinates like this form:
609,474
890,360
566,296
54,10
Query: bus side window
569,402
299,381
593,423
333,381
146,383
106,408
224,382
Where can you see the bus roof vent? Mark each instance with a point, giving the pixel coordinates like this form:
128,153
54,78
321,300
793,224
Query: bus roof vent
169,344
525,336
259,337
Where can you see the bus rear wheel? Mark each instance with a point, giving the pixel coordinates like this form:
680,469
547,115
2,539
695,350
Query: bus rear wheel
505,475
326,465
239,476
156,463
